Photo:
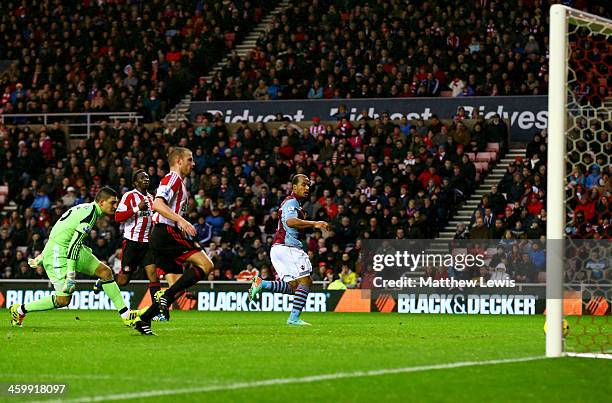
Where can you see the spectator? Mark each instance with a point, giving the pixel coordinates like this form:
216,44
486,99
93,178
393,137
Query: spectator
316,129
596,266
70,197
480,231
336,283
496,131
204,231
348,277
499,273
461,232
153,105
524,270
24,272
316,91
41,201
401,195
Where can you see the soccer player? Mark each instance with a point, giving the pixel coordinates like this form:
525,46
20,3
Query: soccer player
288,258
135,215
172,237
64,255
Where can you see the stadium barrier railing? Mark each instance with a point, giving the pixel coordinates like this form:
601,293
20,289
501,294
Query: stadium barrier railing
78,125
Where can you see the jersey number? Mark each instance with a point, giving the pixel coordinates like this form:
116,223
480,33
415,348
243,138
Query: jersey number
65,215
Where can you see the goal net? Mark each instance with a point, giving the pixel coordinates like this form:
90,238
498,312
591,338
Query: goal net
579,274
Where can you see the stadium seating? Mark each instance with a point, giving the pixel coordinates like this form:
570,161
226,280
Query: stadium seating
242,149
409,52
494,147
365,49
589,211
482,166
486,156
115,56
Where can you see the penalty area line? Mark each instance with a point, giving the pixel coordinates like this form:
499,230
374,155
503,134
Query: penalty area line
605,356
284,381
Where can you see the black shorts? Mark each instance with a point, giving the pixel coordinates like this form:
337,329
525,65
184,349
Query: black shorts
135,255
171,248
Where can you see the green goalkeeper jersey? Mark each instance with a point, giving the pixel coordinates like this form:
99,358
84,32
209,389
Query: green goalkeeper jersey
72,228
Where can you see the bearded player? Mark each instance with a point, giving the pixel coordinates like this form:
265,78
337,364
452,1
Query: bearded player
135,216
172,238
288,257
64,255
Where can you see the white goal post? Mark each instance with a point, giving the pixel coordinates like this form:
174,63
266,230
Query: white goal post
562,18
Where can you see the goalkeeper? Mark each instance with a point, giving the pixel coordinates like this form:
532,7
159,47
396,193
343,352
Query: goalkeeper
65,254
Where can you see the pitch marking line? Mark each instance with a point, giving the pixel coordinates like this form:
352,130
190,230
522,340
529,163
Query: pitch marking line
605,356
284,381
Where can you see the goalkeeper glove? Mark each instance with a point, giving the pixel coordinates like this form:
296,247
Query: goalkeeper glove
33,263
70,283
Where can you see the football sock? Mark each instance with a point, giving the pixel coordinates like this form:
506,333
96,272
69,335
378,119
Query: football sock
150,313
153,288
111,289
43,304
276,286
299,300
190,276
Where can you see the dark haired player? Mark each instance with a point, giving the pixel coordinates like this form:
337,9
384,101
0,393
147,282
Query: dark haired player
64,255
288,257
135,215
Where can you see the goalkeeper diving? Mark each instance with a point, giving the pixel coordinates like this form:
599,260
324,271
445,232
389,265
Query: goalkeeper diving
64,255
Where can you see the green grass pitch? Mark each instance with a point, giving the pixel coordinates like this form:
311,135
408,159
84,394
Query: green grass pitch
218,357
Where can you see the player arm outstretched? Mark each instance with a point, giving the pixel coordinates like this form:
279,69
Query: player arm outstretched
289,212
298,223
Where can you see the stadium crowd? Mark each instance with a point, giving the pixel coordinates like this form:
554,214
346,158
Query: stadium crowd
379,179
378,49
371,179
99,56
406,189
82,56
515,208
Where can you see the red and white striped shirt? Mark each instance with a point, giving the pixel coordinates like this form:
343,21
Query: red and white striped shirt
136,225
173,190
315,130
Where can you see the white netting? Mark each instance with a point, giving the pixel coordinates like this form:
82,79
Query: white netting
588,274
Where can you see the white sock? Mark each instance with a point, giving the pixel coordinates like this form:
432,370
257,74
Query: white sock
125,314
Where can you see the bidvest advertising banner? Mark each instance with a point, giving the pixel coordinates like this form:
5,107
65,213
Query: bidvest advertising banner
527,114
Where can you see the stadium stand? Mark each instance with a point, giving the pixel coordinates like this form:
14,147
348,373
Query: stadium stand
380,49
515,209
241,176
372,178
90,56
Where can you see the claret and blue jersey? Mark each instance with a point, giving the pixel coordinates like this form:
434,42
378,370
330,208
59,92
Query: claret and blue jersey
285,235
